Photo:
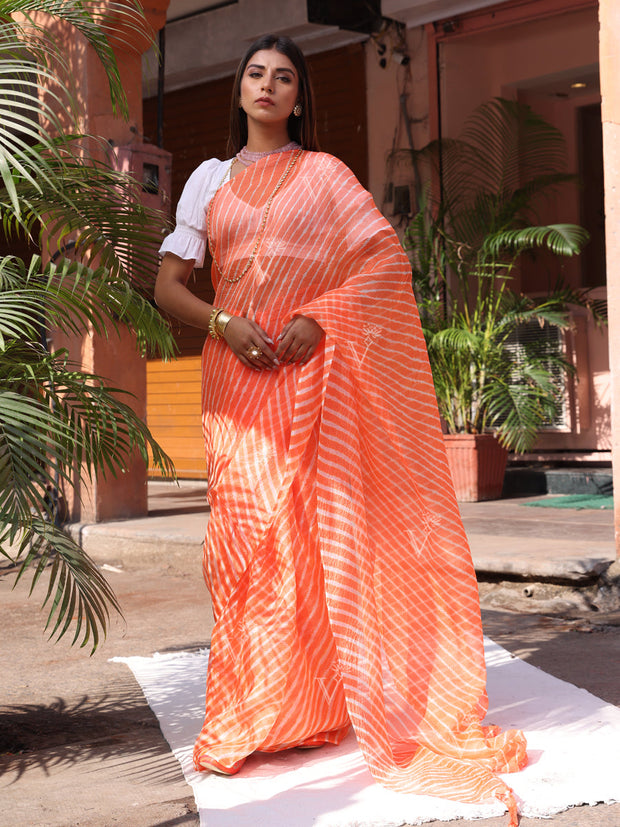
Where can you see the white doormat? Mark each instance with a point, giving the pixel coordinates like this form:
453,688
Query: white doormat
573,748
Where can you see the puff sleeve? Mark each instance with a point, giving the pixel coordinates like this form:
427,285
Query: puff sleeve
189,238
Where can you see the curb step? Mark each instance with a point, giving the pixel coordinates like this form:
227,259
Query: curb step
531,481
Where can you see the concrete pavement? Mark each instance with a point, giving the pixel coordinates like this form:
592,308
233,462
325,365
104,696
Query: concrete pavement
507,538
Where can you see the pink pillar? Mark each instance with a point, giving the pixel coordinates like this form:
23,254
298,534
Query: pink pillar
609,18
115,358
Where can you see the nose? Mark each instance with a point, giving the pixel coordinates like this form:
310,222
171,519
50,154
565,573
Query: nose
267,84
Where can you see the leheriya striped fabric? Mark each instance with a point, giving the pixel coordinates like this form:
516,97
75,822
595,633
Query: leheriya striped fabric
342,585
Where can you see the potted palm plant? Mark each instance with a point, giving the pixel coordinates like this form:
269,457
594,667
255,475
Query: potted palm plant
466,243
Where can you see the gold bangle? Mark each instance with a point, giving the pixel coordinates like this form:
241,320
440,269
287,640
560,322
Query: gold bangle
213,331
221,321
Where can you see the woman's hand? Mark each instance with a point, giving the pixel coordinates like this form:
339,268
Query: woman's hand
298,340
247,340
250,344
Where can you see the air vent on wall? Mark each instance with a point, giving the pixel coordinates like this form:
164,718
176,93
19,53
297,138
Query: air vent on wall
544,340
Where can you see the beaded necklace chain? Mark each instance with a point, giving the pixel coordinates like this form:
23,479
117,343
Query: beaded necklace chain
246,157
261,229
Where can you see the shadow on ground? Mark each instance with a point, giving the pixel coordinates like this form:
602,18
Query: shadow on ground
581,648
63,733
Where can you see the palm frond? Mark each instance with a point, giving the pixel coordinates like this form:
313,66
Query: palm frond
32,449
58,187
52,416
49,173
509,144
455,339
560,239
517,410
77,593
98,210
72,297
96,23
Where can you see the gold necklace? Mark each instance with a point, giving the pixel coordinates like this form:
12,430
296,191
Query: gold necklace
261,229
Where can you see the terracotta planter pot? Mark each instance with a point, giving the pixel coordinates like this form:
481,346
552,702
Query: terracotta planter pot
477,464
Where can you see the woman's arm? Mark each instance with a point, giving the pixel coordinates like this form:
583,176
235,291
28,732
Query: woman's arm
241,334
173,296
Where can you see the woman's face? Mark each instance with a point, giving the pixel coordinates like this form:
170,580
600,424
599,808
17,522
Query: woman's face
269,87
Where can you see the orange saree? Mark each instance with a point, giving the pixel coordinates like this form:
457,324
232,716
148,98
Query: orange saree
342,585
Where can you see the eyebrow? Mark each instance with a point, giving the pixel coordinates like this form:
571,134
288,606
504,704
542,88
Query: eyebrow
280,69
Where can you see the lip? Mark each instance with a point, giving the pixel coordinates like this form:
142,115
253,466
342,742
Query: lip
265,101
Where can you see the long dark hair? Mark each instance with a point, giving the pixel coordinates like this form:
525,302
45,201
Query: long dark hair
302,129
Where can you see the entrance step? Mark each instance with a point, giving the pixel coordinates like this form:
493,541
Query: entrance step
533,480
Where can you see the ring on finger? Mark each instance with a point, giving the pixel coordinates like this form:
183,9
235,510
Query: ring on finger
254,352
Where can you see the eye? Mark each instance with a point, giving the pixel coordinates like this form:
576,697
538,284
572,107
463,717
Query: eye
254,74
284,78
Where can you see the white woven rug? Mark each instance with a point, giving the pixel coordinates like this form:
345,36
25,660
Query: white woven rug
573,746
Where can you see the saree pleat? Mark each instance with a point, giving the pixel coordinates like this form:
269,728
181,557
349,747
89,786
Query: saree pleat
342,584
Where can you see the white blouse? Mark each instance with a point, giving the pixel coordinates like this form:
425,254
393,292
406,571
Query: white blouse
189,238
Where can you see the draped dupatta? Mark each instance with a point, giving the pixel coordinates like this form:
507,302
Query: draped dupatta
341,579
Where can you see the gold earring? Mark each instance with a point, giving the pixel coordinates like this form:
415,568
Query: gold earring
297,110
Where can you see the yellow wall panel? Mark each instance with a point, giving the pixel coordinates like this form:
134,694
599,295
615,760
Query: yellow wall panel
173,413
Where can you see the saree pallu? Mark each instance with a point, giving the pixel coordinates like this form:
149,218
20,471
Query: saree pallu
342,585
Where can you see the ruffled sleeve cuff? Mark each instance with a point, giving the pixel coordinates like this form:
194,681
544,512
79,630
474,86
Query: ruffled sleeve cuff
186,243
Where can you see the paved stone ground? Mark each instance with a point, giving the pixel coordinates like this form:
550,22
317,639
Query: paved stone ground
79,746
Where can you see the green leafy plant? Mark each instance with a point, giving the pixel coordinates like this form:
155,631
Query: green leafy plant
465,246
59,191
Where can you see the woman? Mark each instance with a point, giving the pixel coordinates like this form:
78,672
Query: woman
342,586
